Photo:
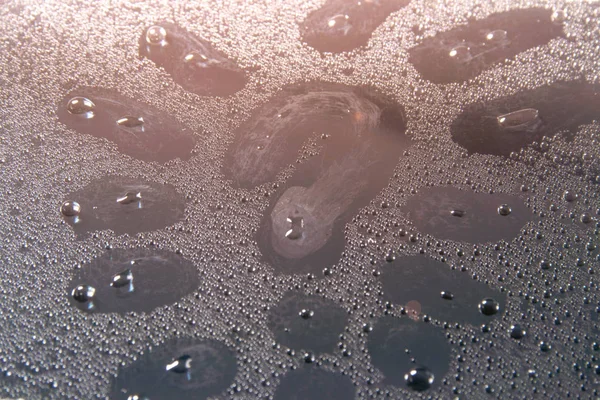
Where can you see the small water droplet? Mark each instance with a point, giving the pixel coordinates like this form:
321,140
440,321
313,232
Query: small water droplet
70,209
499,35
296,230
458,213
180,365
156,36
84,295
130,197
504,210
81,106
527,118
306,314
122,279
558,16
489,306
339,21
569,196
130,121
447,295
419,379
460,54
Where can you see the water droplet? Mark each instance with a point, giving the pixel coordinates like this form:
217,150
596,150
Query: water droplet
419,379
517,332
296,230
559,16
447,295
81,106
70,209
129,121
180,365
460,54
496,36
122,279
306,314
504,210
130,197
83,293
569,196
525,119
489,306
156,36
458,213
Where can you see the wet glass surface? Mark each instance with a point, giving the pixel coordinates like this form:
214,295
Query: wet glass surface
299,199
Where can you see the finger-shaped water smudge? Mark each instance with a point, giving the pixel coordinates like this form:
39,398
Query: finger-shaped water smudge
311,382
341,25
361,138
191,61
138,129
409,353
310,323
508,124
124,280
462,215
441,292
182,369
464,52
123,205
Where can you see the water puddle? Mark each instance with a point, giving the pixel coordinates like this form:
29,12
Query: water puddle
464,52
341,25
309,323
511,123
462,215
122,205
191,61
138,129
124,280
183,369
424,286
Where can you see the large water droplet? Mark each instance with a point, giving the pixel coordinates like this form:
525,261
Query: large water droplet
130,121
70,208
489,306
419,379
180,365
156,36
526,119
81,106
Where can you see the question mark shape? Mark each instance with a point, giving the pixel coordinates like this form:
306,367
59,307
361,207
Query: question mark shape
360,136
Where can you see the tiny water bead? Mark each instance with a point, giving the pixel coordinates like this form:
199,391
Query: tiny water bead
314,328
191,61
161,278
81,106
489,306
462,53
156,36
182,368
340,25
419,379
70,208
